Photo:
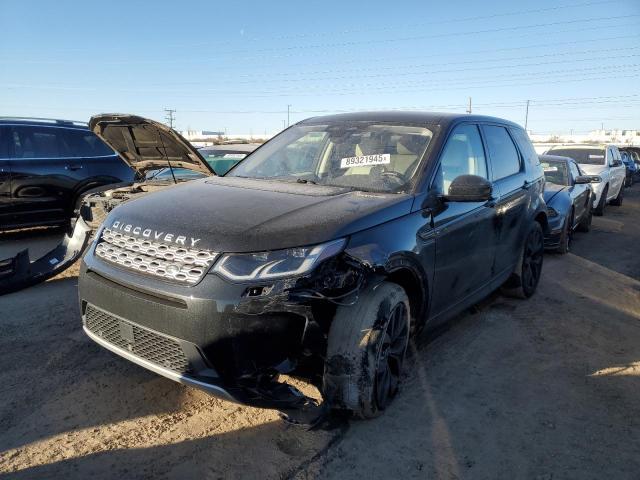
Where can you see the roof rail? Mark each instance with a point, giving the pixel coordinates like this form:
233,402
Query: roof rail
46,120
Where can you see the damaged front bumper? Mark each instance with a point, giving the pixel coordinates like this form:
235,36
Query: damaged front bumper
19,272
217,336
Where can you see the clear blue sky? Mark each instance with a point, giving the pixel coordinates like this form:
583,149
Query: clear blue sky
237,65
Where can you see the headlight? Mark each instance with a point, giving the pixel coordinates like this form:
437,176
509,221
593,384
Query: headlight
551,212
290,262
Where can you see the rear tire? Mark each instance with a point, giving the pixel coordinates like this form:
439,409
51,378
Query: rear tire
618,200
598,211
366,349
525,278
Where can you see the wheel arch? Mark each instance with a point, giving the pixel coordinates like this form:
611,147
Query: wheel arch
406,272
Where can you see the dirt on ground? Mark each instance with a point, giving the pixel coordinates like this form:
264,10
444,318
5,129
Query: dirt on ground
547,388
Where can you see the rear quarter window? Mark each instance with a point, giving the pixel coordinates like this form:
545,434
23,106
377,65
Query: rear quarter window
526,148
505,160
84,143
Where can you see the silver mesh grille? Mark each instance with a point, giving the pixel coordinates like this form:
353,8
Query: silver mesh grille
151,346
185,265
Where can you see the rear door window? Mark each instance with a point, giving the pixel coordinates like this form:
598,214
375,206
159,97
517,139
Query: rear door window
84,143
505,160
37,142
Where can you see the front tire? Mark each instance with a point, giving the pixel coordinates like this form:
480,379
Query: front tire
525,278
618,200
366,349
585,223
598,211
565,237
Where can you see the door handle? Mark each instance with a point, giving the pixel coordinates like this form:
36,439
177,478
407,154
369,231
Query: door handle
72,167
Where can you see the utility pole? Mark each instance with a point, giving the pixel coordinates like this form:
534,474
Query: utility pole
526,117
288,107
169,117
469,108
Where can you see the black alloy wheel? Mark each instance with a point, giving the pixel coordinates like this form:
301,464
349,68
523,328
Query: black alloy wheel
391,355
532,261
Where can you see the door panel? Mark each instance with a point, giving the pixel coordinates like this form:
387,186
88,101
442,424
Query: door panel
465,249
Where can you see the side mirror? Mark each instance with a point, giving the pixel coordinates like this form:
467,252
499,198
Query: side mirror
469,188
588,179
616,163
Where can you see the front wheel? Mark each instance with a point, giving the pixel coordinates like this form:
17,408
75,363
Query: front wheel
366,349
618,200
525,278
598,211
565,237
585,223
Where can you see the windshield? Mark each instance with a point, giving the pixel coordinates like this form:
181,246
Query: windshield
555,172
368,156
588,156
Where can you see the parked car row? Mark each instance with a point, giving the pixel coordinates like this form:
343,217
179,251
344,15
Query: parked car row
322,252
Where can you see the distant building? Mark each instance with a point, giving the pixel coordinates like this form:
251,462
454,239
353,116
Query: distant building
619,137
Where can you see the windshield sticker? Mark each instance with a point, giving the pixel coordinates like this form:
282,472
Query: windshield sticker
365,160
599,157
549,168
235,155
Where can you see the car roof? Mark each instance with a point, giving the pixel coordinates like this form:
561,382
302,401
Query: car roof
578,146
49,122
235,147
555,158
443,119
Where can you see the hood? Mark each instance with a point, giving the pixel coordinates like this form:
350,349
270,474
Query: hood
147,145
551,190
231,214
592,169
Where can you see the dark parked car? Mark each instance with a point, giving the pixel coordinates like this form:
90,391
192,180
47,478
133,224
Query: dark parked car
160,158
569,199
318,255
46,165
630,167
634,155
221,158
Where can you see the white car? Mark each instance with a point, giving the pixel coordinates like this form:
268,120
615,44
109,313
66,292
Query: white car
604,161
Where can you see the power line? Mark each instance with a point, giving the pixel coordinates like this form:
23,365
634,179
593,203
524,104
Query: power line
169,116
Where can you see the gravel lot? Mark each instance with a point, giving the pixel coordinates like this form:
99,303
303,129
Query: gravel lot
545,388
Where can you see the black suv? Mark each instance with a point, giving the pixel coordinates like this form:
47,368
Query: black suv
45,165
318,255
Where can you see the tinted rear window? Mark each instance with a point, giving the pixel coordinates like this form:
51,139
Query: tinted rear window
83,143
504,155
589,156
37,142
